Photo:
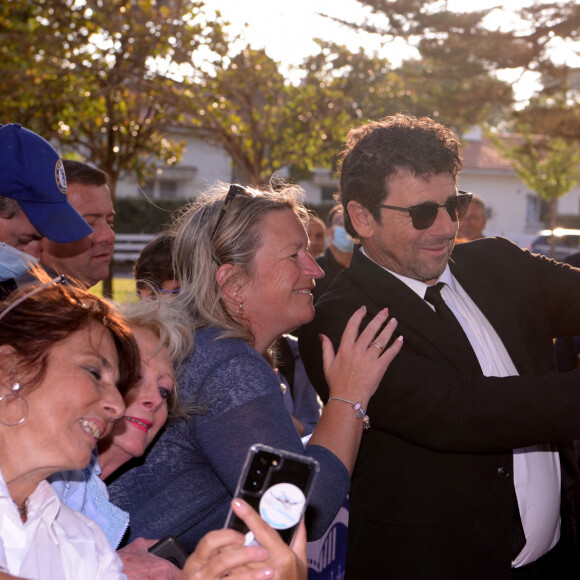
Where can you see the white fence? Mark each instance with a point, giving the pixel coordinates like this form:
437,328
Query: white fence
128,246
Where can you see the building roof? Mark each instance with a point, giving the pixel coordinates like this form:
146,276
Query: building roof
481,154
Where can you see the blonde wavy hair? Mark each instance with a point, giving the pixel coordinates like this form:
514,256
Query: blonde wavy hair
196,257
171,326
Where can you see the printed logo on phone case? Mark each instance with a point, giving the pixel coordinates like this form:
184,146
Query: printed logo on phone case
282,505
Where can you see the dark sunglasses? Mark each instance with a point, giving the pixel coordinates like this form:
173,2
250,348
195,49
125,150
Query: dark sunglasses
424,215
232,192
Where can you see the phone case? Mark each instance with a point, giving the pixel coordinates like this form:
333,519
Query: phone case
277,484
170,549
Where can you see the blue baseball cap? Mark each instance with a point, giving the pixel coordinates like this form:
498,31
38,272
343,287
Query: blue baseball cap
31,172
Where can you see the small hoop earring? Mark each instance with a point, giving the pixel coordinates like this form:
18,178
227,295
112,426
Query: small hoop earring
14,396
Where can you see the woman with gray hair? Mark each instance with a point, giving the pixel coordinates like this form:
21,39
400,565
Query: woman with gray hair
241,255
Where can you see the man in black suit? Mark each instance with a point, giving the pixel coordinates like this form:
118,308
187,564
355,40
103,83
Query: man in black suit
463,474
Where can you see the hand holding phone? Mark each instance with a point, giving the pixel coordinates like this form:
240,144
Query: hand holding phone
170,549
277,484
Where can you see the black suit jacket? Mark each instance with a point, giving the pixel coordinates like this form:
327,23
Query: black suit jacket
431,493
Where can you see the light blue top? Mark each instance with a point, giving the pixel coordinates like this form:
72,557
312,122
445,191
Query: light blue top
84,492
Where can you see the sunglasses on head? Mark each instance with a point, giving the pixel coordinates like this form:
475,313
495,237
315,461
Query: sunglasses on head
424,215
232,193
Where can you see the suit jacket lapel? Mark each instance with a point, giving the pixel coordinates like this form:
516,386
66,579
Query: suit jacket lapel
417,321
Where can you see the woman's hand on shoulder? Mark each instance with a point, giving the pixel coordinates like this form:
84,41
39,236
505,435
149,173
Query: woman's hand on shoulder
222,553
360,363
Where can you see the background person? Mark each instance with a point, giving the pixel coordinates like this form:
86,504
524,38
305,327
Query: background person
472,225
316,230
300,397
338,253
33,202
469,413
87,260
153,269
246,278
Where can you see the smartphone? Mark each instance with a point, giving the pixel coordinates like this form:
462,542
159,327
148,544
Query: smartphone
170,549
277,484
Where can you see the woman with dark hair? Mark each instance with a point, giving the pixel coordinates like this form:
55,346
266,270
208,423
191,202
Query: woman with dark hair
61,385
67,358
246,278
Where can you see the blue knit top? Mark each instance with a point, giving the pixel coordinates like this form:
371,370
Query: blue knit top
184,484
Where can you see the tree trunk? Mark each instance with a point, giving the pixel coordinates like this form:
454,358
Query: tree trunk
553,209
108,281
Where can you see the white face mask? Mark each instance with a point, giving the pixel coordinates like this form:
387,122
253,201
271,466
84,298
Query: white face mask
13,262
341,240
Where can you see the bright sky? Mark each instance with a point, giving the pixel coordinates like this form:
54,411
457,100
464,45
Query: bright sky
287,28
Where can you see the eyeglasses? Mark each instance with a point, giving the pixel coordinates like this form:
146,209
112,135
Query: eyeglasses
56,280
232,192
424,215
163,291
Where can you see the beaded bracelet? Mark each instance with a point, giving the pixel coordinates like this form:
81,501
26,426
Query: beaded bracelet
360,412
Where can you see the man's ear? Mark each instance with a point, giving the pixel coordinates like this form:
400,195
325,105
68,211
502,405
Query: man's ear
227,281
361,219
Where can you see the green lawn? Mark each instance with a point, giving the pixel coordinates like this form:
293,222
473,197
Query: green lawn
123,290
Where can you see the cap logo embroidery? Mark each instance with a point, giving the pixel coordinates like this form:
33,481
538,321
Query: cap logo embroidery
60,176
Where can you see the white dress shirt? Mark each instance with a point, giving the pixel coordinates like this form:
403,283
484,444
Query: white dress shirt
55,543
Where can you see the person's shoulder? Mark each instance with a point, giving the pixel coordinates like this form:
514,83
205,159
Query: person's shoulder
214,355
483,247
574,260
211,342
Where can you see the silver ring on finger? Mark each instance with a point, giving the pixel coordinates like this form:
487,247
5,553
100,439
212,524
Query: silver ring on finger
377,345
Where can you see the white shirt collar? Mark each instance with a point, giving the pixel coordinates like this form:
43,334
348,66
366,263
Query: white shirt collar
416,285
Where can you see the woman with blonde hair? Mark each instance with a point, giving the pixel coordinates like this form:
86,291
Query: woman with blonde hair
246,278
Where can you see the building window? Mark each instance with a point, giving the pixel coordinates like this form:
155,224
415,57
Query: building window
167,189
161,188
533,210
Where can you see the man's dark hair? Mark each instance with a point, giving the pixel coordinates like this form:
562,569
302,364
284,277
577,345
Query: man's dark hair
77,172
397,144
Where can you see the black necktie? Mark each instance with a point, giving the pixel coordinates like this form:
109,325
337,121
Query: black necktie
433,296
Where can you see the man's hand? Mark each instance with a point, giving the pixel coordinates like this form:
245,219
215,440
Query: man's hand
139,564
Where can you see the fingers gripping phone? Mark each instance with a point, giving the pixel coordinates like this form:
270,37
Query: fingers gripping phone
277,484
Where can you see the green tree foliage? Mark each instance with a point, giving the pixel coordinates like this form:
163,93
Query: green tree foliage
431,26
549,165
99,75
262,120
459,51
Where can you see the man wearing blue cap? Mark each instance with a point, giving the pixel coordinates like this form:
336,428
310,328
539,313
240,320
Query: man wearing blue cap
33,201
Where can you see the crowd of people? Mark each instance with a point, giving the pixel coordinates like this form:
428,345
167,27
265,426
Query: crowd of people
421,372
